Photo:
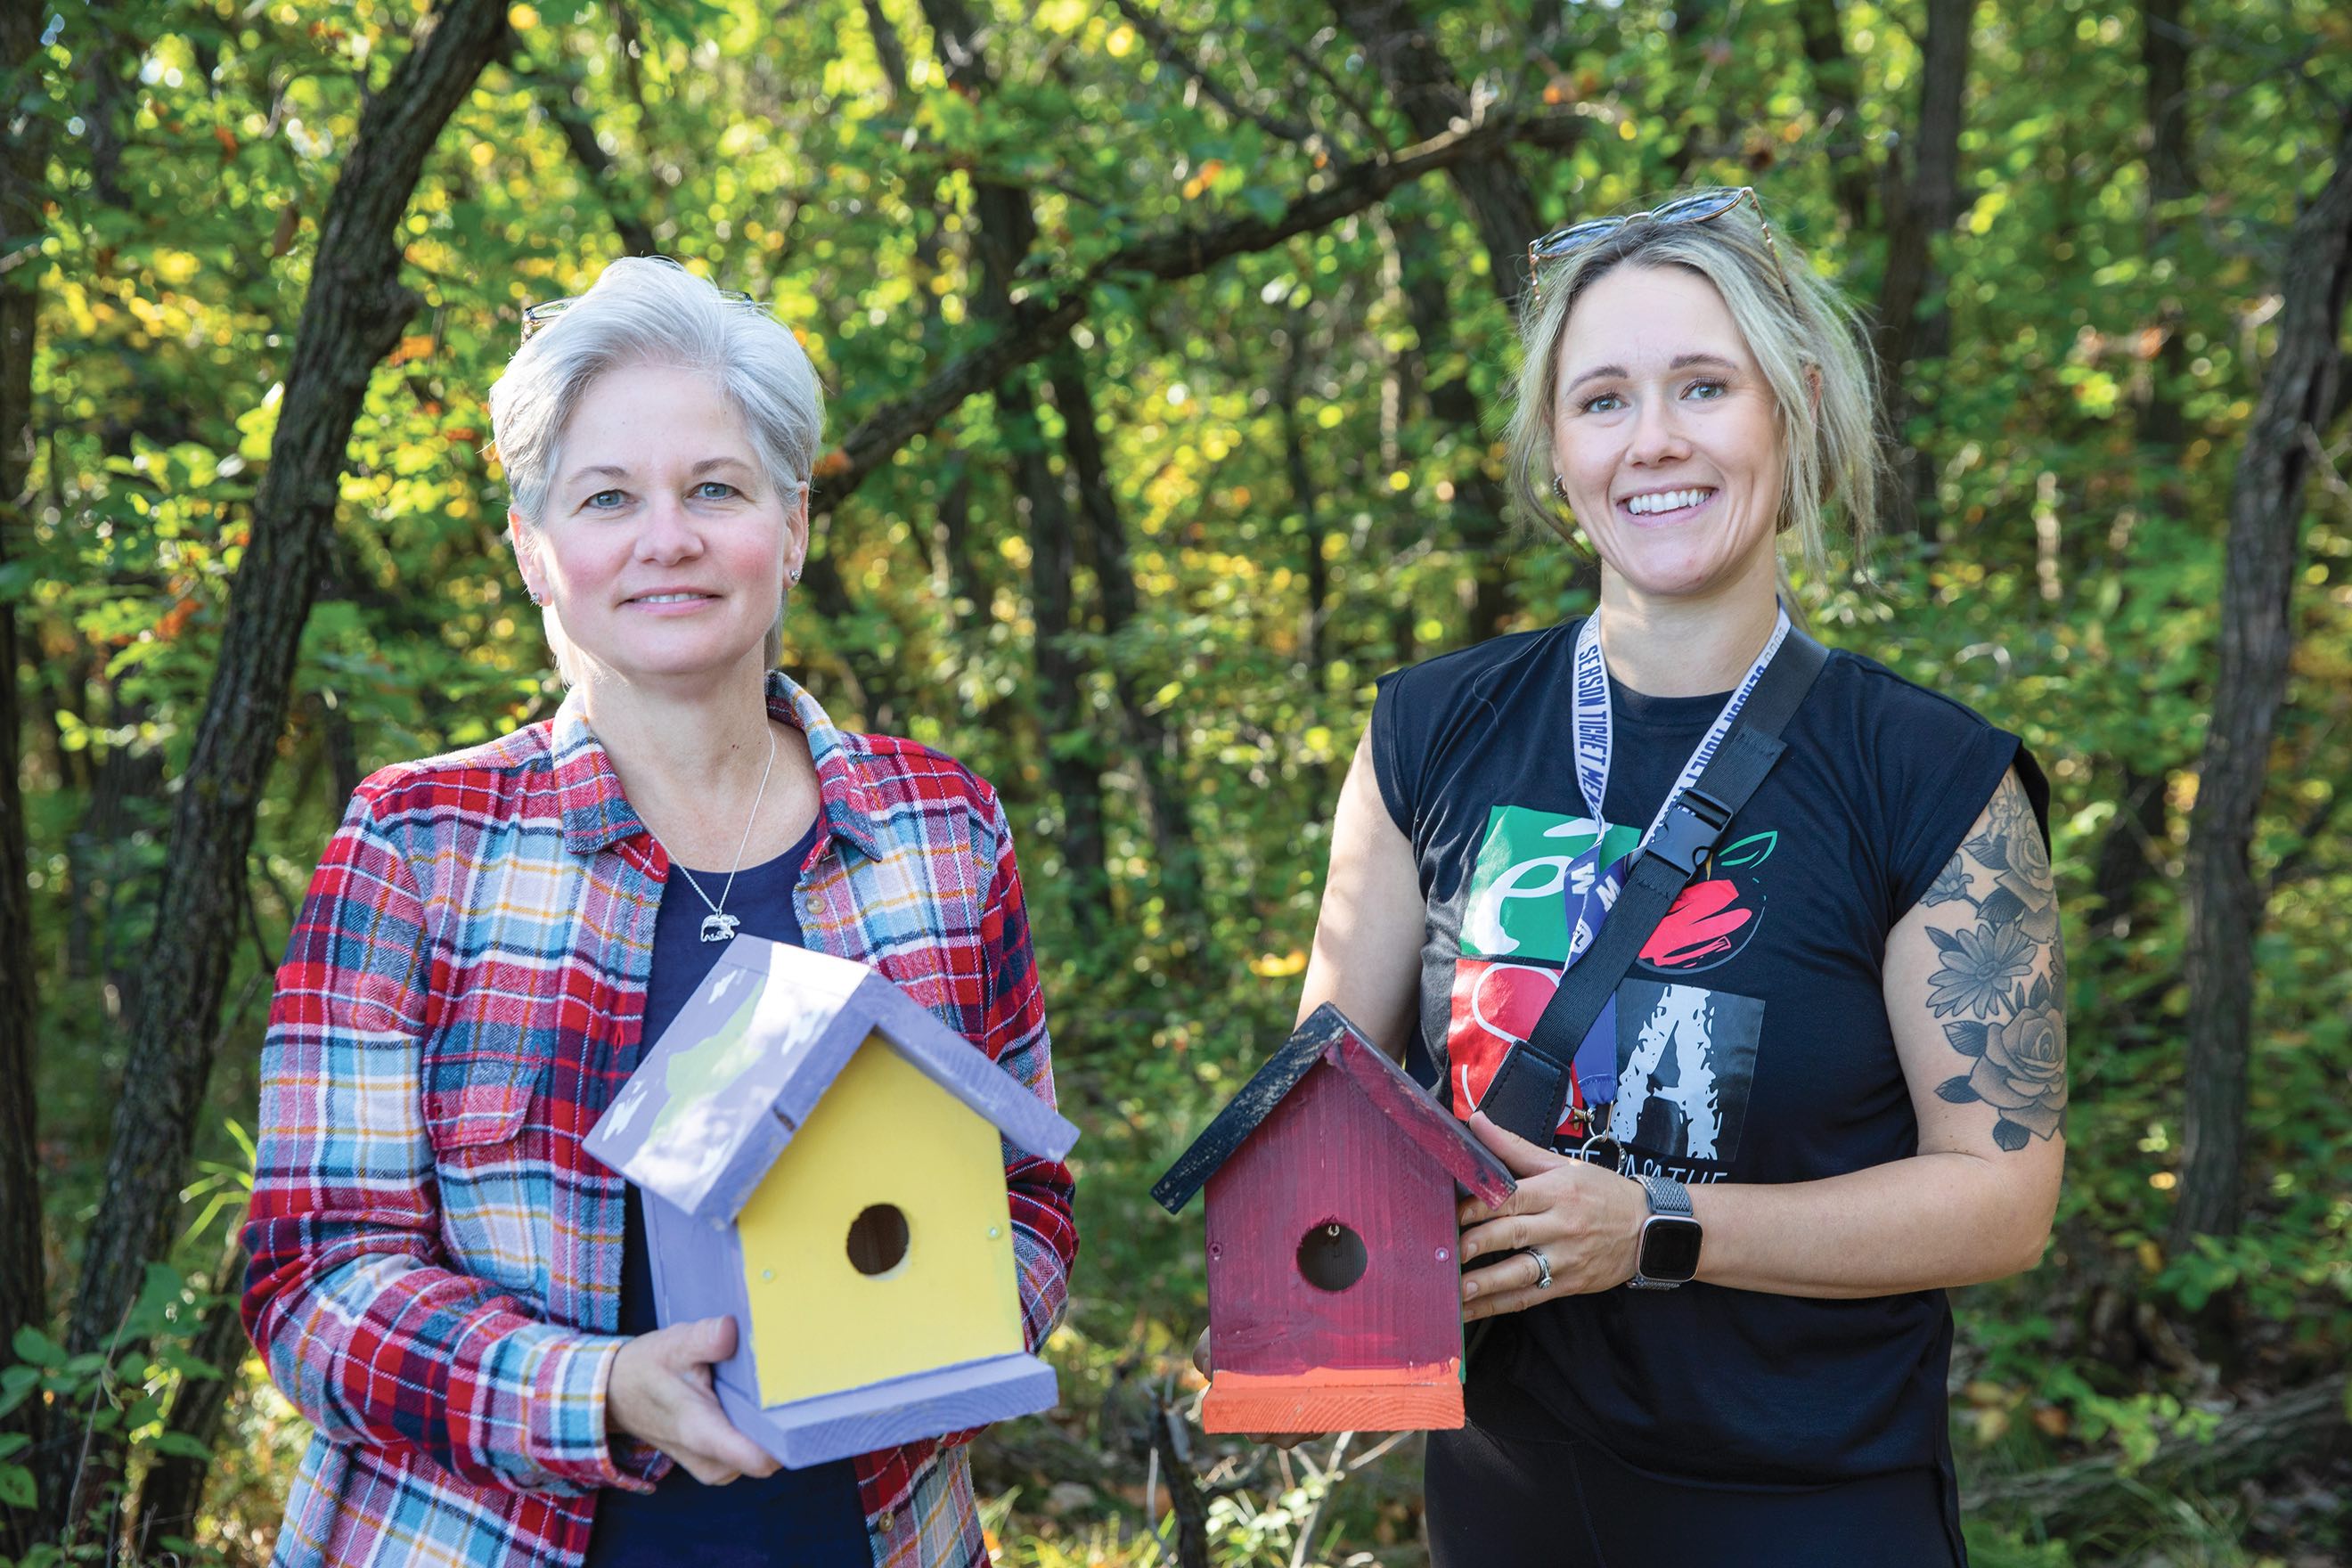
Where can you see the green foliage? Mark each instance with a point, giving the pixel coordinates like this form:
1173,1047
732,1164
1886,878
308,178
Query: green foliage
98,1393
2066,585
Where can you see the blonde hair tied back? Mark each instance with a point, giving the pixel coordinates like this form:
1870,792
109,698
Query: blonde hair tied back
1806,339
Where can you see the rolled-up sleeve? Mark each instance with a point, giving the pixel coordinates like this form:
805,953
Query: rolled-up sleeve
350,1296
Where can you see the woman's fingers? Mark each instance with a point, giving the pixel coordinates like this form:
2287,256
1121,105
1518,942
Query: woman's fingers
709,1438
1520,1273
1508,1233
661,1391
1582,1219
1524,1159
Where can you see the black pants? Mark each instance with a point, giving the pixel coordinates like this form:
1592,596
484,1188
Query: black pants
1496,1502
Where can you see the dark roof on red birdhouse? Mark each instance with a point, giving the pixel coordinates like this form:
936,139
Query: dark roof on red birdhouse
1327,1036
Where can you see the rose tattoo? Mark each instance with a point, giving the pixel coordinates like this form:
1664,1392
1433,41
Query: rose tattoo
2015,1031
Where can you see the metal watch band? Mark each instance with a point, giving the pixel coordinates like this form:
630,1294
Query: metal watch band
1667,1195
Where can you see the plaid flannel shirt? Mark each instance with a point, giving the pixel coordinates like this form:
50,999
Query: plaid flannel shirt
436,1268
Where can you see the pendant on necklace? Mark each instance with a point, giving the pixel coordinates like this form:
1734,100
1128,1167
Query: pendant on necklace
719,926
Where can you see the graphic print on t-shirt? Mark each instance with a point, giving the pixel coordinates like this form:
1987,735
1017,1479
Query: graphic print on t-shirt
1685,1055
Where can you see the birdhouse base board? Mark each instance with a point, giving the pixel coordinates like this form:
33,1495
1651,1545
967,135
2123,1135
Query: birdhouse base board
1337,1399
933,1404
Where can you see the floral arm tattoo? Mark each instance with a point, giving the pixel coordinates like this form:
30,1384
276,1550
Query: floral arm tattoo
2003,983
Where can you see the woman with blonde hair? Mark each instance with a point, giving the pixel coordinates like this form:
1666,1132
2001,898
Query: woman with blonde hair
459,1296
1825,1080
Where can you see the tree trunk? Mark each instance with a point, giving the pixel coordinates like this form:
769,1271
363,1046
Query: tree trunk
24,1276
352,317
1303,497
1701,110
1155,742
1922,198
2164,54
1837,87
1004,228
1482,506
2123,862
1431,98
2266,510
2249,1444
960,559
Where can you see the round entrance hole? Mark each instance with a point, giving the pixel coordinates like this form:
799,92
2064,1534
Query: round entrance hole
878,1239
1331,1257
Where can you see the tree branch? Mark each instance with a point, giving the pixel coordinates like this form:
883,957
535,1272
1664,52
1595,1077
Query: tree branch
604,174
1039,318
1172,53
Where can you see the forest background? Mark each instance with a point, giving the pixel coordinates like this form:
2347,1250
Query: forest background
1167,342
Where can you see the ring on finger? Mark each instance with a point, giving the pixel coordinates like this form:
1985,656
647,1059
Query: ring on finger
1543,1267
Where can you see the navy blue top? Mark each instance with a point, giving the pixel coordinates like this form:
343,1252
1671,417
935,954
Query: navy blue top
807,1519
1752,1036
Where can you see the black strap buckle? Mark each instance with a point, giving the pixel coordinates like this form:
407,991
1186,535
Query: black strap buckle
1694,822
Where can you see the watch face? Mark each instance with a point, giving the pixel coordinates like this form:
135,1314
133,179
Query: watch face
1669,1247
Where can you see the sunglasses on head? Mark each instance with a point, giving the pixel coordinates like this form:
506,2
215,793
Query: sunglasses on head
535,317
1699,207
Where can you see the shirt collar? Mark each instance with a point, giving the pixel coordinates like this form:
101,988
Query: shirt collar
596,814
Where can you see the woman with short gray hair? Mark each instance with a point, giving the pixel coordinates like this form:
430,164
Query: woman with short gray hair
1816,1073
455,1293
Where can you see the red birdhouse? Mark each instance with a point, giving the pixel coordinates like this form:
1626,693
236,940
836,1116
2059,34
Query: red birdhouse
1335,1300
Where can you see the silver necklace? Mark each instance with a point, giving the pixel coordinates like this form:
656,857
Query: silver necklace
718,925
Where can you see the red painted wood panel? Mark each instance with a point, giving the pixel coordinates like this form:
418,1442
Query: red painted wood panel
1327,1154
1446,1143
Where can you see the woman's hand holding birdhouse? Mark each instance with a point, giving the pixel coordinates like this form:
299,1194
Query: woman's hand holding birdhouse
660,1392
1578,1225
1278,1439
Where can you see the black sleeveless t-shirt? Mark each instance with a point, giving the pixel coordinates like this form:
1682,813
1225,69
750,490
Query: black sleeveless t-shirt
1752,1037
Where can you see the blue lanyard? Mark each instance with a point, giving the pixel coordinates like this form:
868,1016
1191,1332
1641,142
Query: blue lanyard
1590,889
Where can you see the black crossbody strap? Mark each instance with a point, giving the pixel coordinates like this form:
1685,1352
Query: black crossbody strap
1528,1092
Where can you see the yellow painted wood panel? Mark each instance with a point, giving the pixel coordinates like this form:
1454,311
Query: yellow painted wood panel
883,1134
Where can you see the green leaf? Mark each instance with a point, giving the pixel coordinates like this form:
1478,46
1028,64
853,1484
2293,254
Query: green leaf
32,1345
1752,850
1264,205
16,1486
187,1363
180,1446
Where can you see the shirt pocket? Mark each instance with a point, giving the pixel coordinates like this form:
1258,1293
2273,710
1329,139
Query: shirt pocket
491,1165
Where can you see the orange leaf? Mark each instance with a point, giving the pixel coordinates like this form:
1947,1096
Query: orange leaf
416,345
833,465
227,140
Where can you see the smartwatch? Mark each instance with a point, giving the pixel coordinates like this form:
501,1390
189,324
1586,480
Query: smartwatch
1670,1237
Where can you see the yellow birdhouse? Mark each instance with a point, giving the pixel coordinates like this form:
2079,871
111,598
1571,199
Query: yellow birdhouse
820,1160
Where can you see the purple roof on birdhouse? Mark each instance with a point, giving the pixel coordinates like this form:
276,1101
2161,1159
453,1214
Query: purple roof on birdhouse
745,1062
1328,1036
